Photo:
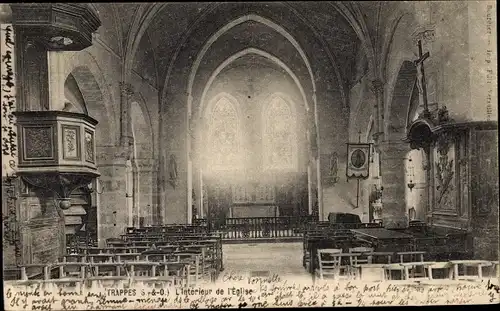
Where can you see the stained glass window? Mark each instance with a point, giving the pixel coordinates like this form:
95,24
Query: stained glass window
279,138
224,136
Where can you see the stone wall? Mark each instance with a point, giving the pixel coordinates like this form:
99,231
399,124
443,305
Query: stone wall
453,31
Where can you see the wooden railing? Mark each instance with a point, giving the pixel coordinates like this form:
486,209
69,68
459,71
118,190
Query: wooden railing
259,227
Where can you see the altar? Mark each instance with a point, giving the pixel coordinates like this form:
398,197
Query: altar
253,200
246,211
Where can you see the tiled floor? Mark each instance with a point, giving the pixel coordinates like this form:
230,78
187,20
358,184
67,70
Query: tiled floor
283,259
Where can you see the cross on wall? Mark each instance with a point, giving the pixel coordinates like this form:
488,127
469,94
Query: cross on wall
419,63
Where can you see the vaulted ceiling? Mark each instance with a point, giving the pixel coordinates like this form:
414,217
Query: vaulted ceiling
331,36
176,33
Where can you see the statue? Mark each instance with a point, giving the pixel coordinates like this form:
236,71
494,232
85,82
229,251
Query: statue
333,168
172,170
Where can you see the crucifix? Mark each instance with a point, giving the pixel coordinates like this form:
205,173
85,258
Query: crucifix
422,87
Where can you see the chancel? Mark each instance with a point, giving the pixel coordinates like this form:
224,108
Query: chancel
173,142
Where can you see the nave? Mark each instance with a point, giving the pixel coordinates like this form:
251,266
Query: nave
179,144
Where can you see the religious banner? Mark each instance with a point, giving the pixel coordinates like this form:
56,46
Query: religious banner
358,160
9,130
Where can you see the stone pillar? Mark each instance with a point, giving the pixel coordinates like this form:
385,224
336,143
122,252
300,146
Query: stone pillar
309,189
190,155
126,139
377,87
317,155
146,170
392,156
112,211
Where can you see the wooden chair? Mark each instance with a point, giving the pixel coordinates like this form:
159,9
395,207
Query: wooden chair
329,264
106,269
380,257
97,258
362,256
207,269
413,256
409,267
35,271
127,257
476,265
361,249
445,267
393,267
140,269
76,270
159,256
194,266
73,258
494,271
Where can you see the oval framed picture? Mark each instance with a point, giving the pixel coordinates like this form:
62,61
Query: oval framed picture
358,159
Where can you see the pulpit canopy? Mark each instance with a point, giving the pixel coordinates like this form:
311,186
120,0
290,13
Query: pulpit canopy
58,26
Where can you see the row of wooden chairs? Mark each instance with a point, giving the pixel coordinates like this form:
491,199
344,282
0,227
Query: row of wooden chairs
212,251
172,273
335,261
203,259
176,238
411,265
170,240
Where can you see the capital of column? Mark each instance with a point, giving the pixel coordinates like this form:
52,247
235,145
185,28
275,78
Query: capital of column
146,165
377,86
126,89
424,33
393,150
111,154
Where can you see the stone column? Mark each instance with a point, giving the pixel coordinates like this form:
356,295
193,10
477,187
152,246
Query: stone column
377,87
146,170
127,92
392,156
112,212
190,156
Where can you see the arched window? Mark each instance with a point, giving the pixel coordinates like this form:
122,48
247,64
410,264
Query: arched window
279,136
223,136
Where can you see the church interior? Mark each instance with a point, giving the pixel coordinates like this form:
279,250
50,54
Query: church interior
180,140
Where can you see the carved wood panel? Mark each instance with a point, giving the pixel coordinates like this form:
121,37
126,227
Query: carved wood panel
485,172
444,174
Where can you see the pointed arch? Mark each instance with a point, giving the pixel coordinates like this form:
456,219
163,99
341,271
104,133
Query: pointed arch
238,21
259,52
399,105
83,62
